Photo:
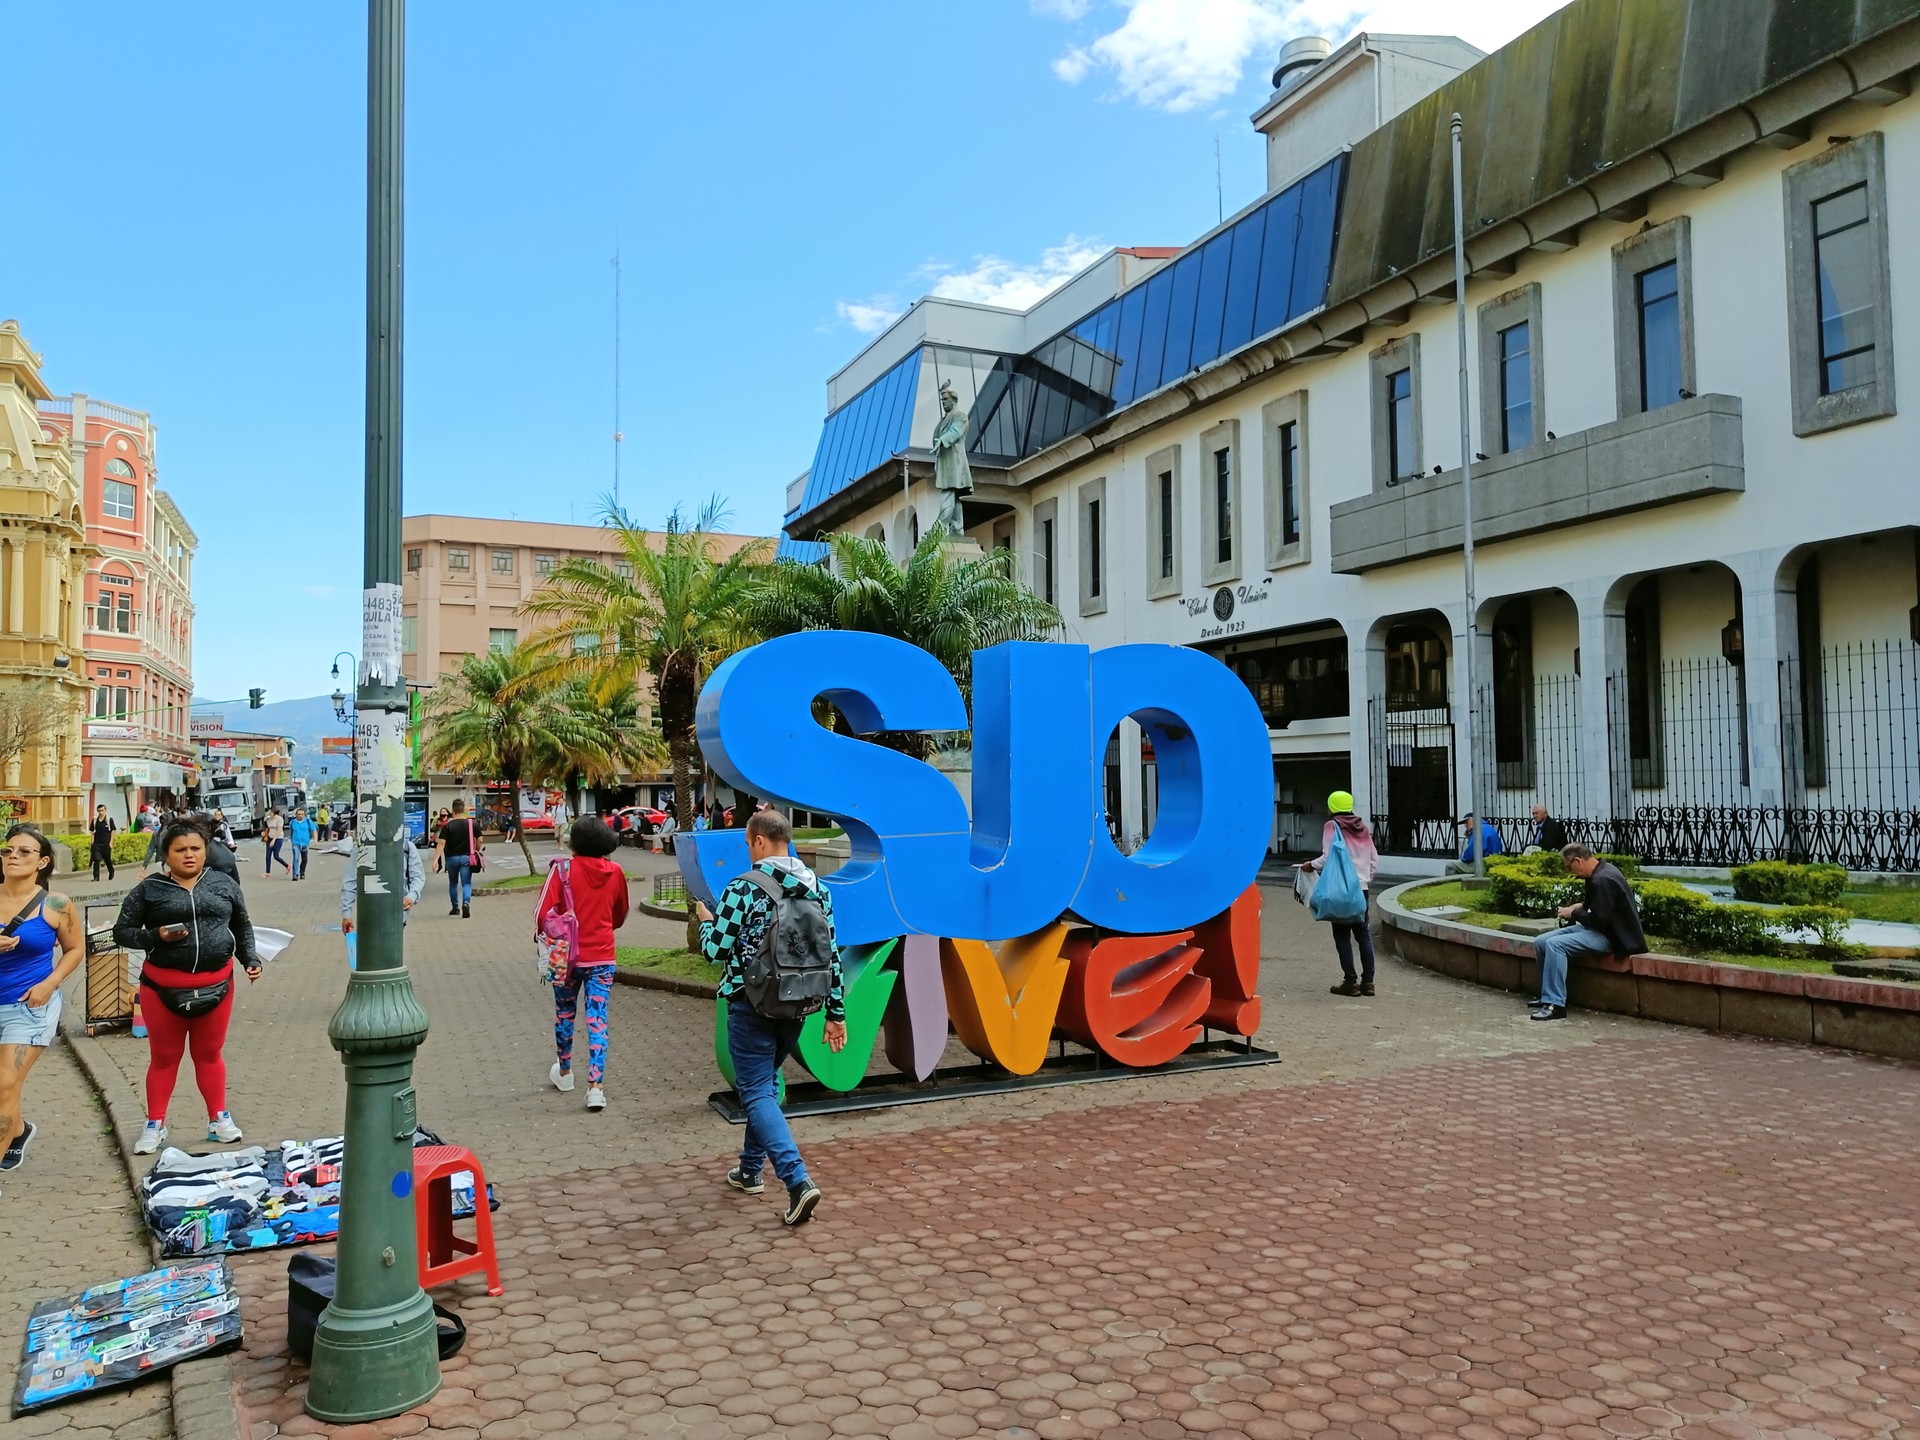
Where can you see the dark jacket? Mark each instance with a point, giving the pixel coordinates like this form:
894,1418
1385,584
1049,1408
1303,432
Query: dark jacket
220,858
1606,907
1552,835
214,912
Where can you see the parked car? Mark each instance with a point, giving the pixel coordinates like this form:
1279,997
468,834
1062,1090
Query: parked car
541,824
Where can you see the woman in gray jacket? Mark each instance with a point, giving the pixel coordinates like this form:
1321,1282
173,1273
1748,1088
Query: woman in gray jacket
192,923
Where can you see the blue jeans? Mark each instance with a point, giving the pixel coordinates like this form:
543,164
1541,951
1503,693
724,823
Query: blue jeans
299,862
1552,950
460,879
758,1047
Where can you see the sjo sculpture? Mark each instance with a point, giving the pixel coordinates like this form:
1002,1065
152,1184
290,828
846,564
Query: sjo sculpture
1024,918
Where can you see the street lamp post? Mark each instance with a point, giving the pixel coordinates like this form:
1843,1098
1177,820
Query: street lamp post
375,1351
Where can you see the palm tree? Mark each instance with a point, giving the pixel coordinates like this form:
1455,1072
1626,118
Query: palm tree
949,604
623,745
661,617
486,719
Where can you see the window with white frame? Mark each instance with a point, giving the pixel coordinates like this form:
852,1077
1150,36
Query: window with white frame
1163,528
1283,425
1839,292
1220,503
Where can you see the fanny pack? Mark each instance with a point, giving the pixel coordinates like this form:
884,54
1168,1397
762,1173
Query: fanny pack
188,1003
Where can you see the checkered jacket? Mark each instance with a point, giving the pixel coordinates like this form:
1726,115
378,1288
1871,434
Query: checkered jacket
741,921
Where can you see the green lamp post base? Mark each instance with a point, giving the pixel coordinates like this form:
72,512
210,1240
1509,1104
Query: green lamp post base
369,1364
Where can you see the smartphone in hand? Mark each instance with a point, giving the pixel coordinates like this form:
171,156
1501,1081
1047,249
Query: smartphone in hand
172,933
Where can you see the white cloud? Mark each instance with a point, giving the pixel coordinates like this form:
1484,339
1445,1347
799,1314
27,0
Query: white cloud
1179,55
872,315
1060,9
991,280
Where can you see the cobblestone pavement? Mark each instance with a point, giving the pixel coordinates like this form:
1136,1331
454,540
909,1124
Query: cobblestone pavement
1432,1218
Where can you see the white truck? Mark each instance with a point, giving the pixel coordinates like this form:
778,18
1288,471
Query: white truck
235,805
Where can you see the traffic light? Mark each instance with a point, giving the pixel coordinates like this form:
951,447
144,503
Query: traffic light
256,698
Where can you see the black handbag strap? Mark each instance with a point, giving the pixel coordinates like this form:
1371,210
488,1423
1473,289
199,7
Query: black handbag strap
27,912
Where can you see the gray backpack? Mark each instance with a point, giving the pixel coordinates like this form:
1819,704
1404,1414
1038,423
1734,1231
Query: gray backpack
790,977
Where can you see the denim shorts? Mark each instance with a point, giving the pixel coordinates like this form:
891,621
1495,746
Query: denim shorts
24,1024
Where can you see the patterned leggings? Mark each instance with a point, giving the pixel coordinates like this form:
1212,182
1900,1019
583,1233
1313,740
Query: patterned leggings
598,982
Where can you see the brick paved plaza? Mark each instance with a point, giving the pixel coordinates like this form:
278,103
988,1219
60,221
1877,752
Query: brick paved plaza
1432,1218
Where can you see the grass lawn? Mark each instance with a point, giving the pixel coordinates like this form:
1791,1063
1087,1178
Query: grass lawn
665,960
513,882
830,832
1454,893
1887,902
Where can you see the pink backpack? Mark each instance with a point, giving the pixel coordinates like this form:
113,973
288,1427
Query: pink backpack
558,938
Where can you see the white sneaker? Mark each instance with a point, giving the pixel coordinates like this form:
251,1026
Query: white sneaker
562,1080
222,1128
152,1137
596,1098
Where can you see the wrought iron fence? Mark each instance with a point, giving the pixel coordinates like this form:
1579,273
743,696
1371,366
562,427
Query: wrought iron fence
1527,752
1412,778
1850,727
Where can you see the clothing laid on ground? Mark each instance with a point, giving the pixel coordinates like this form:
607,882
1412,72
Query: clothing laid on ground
1606,907
218,932
597,983
743,917
259,1197
599,890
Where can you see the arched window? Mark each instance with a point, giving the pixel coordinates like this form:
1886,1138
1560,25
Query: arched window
117,492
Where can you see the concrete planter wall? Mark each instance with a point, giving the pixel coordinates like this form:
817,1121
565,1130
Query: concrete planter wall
1873,1016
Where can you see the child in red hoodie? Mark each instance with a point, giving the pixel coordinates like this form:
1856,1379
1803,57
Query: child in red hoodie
598,890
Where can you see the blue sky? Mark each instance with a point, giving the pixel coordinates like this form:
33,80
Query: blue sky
189,238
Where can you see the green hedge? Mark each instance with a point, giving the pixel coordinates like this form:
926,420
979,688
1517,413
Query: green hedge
129,848
1528,885
1774,882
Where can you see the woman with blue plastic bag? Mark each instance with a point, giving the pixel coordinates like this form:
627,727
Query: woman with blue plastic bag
1346,867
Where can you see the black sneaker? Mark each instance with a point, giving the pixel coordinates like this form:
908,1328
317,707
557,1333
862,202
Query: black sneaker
1549,1012
801,1200
454,911
740,1180
466,912
17,1150
1345,987
1366,987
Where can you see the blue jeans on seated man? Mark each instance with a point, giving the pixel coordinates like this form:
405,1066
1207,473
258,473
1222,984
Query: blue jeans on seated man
759,1047
1552,950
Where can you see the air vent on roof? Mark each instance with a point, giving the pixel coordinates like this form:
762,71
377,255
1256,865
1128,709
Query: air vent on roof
1297,59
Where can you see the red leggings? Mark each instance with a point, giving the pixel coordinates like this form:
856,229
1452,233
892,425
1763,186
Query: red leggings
168,1036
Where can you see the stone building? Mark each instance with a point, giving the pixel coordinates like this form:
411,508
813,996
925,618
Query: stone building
43,557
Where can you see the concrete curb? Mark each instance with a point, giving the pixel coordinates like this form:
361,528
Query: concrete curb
1873,1017
660,912
647,980
205,1405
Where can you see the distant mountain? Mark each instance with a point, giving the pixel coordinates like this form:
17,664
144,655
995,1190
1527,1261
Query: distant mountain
304,722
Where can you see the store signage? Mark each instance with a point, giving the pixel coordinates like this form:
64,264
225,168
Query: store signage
1225,606
929,890
220,745
113,732
207,725
336,744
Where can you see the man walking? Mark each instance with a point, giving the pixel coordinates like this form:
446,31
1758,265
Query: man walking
1605,922
742,938
101,851
300,832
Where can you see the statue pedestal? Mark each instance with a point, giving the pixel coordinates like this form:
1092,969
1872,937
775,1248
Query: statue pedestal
962,547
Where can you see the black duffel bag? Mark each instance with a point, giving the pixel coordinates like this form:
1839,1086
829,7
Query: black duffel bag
310,1290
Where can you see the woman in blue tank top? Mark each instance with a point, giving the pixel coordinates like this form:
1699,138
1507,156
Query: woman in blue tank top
41,944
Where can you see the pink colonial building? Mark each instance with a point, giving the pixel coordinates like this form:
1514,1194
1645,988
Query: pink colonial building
138,605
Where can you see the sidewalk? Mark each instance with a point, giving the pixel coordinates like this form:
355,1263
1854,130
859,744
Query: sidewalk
1434,1217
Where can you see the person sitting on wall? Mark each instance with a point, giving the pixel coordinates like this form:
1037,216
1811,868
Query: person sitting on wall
1548,833
1605,922
1490,842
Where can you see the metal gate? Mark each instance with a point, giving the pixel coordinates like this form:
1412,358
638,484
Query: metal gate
1411,800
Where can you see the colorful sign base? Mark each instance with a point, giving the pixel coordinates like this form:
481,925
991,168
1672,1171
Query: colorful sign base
964,1082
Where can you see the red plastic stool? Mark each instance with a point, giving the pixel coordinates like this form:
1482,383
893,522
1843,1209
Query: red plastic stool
434,1167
